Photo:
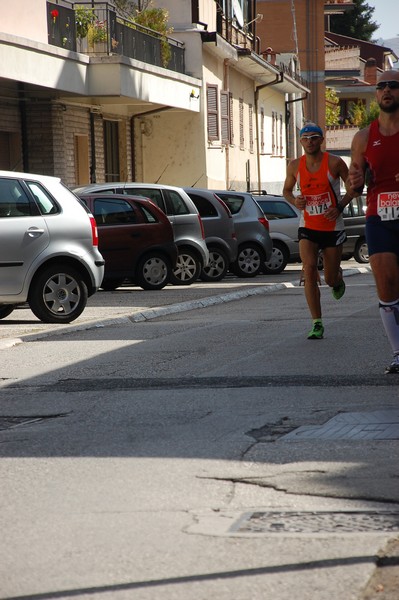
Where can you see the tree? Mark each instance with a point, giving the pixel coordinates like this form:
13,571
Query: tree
356,23
332,107
360,116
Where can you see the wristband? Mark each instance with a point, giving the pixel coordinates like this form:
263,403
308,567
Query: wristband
340,208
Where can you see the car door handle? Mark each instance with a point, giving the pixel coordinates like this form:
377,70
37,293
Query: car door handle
35,232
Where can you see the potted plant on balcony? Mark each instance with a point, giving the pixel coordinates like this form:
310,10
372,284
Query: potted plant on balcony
84,18
97,36
157,20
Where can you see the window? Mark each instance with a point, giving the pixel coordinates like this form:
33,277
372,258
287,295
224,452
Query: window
212,112
153,194
241,118
148,217
47,205
111,150
175,204
281,135
13,200
204,207
113,211
262,130
251,128
233,202
277,210
225,117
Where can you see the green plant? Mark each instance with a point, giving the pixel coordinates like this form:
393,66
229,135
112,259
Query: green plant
332,107
84,17
362,117
157,19
97,32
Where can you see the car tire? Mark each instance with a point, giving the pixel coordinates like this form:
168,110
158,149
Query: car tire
5,310
361,253
109,285
249,261
278,260
153,272
187,269
58,294
217,266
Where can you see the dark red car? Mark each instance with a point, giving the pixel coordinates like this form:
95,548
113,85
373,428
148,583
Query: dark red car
135,239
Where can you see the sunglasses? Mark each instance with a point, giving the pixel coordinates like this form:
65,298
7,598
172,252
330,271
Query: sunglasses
311,137
392,85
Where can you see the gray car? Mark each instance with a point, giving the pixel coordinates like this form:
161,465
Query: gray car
252,230
283,223
220,235
48,248
187,225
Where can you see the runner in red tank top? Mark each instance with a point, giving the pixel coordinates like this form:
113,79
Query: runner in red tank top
317,174
375,157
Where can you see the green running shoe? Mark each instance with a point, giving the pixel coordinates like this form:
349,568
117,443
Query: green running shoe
339,290
317,331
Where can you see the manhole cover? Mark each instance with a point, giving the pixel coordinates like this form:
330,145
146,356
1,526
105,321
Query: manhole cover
317,522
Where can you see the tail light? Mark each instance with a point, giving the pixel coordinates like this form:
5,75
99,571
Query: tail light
264,222
94,230
202,227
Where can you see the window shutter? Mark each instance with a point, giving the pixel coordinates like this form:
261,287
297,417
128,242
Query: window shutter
262,130
241,117
224,115
212,112
231,118
251,128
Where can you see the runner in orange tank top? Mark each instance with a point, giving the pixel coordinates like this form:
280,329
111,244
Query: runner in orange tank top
375,152
317,175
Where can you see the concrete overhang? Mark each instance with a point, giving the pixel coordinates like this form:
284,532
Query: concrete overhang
87,79
262,72
217,46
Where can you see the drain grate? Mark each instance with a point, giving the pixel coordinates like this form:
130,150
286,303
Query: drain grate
317,522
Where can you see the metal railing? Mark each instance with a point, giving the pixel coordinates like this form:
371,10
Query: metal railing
108,33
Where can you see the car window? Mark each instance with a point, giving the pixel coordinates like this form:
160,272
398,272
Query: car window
274,209
148,216
175,204
113,212
13,200
204,207
153,194
233,202
45,202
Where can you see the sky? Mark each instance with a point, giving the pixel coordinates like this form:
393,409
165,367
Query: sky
387,15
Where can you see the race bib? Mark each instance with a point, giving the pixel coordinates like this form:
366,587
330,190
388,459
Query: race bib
317,205
388,206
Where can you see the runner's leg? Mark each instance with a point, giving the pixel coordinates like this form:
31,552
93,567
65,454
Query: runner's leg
308,251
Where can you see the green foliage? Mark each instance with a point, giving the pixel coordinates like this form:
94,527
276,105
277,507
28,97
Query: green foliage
332,107
97,32
360,117
84,18
157,19
356,23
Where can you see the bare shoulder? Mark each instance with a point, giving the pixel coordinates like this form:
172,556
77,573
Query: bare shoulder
337,166
360,139
293,165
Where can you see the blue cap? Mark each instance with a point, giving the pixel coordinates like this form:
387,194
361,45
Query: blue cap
311,128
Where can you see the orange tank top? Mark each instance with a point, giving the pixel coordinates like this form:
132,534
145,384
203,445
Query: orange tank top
321,191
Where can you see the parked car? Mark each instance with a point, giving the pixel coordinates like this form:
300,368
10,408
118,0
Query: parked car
48,248
284,231
252,230
135,239
187,225
355,225
220,235
283,220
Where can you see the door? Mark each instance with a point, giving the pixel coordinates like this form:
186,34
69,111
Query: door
23,235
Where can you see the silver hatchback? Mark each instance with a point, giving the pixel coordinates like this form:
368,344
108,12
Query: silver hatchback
48,248
186,222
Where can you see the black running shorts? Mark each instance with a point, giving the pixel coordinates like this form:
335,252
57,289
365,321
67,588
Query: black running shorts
324,239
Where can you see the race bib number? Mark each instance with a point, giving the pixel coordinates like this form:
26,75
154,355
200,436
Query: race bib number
317,205
388,206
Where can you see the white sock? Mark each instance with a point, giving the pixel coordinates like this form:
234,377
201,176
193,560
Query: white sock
389,312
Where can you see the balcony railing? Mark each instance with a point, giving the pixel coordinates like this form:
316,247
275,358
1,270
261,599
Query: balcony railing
110,34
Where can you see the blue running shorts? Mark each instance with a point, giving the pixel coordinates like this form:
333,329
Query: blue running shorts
382,236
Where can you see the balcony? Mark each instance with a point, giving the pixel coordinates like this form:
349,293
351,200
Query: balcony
109,34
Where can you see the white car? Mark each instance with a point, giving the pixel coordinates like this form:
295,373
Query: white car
48,248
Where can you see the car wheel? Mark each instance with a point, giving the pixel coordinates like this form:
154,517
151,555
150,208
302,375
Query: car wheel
320,261
187,268
217,266
5,310
249,261
109,285
153,272
278,261
361,254
58,294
